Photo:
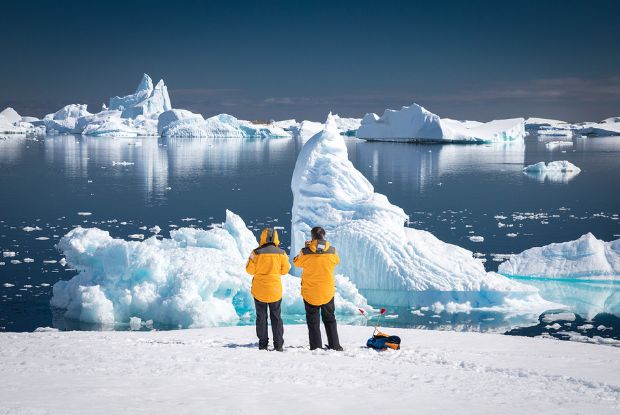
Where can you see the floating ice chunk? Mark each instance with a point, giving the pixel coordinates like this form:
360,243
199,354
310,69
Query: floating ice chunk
512,235
122,163
581,273
556,171
15,261
555,326
155,229
42,238
388,262
31,229
28,260
84,213
195,278
476,238
136,236
415,123
135,323
8,254
586,257
8,285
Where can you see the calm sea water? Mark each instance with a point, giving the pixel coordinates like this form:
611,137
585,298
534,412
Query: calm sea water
454,191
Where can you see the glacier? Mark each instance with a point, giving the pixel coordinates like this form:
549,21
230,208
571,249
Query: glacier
556,171
390,264
184,123
196,278
584,272
416,123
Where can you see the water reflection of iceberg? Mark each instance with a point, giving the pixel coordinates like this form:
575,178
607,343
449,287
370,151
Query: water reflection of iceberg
67,152
411,166
148,161
12,148
499,157
192,157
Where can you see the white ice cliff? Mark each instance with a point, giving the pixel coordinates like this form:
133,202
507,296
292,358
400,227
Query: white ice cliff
584,272
13,123
196,278
415,123
555,171
389,263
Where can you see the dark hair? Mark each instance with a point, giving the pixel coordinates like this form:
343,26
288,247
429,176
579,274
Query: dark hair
317,233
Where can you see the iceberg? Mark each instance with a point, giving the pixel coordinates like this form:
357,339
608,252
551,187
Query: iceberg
147,100
13,123
110,123
183,123
65,120
584,273
415,123
534,123
389,263
556,171
196,278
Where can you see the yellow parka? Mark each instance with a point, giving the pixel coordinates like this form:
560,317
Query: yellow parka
267,264
318,260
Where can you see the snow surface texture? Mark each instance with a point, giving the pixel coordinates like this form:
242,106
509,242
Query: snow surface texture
196,278
556,171
183,123
184,372
585,272
415,123
389,263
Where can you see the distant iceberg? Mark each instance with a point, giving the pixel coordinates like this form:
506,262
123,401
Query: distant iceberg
556,171
415,123
196,278
183,123
584,272
13,123
389,263
147,100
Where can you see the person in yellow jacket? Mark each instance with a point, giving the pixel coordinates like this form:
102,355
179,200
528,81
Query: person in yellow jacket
267,264
318,288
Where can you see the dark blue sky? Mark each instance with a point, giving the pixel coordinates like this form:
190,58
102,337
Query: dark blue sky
281,59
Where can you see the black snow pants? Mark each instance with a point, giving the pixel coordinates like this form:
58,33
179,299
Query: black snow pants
277,327
327,312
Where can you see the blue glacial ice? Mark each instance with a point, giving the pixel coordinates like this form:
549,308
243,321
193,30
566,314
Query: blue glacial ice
584,273
390,264
195,278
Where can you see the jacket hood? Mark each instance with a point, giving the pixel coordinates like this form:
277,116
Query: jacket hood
265,233
318,243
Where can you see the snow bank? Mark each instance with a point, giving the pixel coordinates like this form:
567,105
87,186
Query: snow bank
415,123
147,100
183,123
556,171
172,372
196,278
583,272
389,263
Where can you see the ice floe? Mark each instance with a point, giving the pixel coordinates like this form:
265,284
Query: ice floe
556,171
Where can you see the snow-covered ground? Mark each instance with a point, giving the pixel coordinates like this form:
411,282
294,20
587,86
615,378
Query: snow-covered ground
220,370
